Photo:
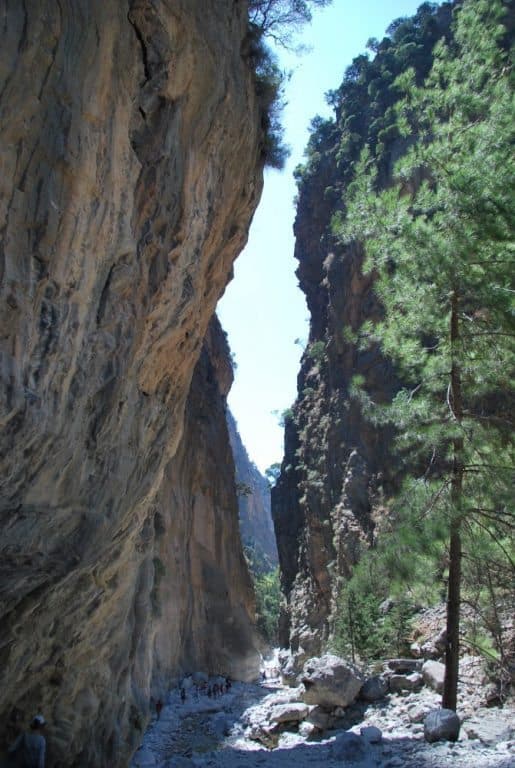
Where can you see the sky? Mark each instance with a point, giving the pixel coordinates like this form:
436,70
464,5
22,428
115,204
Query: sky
263,310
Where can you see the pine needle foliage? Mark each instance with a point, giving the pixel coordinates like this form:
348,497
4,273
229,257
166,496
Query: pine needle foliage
440,241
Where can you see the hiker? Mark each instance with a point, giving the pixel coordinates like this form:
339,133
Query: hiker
183,694
159,707
31,745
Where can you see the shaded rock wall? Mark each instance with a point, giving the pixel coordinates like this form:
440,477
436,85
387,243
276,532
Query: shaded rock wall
256,526
126,189
339,469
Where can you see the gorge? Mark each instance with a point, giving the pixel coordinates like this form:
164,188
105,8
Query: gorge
133,138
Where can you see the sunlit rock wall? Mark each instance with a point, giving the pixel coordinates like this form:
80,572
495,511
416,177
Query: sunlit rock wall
129,171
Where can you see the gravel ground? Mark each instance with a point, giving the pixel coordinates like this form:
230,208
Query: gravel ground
205,732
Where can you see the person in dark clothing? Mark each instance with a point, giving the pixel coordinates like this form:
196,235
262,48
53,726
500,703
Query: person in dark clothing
30,746
159,707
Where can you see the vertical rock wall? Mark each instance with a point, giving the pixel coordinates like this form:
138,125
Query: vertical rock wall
129,171
339,468
256,526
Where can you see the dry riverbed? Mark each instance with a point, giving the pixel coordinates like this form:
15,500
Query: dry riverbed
204,732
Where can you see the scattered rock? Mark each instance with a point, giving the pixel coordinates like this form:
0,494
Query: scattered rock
331,681
433,673
441,725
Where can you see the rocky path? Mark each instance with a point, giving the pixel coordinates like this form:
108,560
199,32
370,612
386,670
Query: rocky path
203,732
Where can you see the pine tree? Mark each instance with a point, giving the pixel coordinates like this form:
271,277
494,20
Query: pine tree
440,240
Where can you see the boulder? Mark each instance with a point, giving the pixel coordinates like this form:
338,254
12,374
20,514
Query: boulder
289,713
441,725
399,683
291,666
433,673
371,734
348,746
373,689
330,681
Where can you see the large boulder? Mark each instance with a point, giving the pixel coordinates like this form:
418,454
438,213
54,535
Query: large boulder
349,747
433,673
289,713
330,681
371,733
441,725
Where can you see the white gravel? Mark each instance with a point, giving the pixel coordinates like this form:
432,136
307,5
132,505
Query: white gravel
206,732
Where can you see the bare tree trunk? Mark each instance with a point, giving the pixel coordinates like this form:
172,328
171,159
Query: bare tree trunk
452,651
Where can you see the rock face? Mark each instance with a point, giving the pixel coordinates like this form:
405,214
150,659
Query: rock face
126,189
338,467
256,526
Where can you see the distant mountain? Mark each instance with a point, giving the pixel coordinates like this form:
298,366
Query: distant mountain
256,526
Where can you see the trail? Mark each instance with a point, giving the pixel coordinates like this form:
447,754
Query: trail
203,732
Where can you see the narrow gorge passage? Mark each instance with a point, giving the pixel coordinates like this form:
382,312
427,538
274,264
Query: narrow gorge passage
139,543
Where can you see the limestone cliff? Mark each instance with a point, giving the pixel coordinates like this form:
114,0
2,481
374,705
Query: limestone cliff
130,146
338,467
256,526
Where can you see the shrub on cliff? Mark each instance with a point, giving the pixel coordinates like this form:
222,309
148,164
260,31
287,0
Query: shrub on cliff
275,21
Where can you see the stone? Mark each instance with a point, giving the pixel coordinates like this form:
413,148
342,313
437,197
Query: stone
401,683
433,673
307,729
403,666
330,681
348,746
289,713
441,725
374,688
371,733
320,718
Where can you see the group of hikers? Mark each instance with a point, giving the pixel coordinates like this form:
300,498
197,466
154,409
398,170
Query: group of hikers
29,746
204,688
197,689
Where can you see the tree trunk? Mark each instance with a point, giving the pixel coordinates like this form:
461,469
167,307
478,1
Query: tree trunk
452,651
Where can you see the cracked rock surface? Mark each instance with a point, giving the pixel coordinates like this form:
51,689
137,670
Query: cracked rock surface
129,172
